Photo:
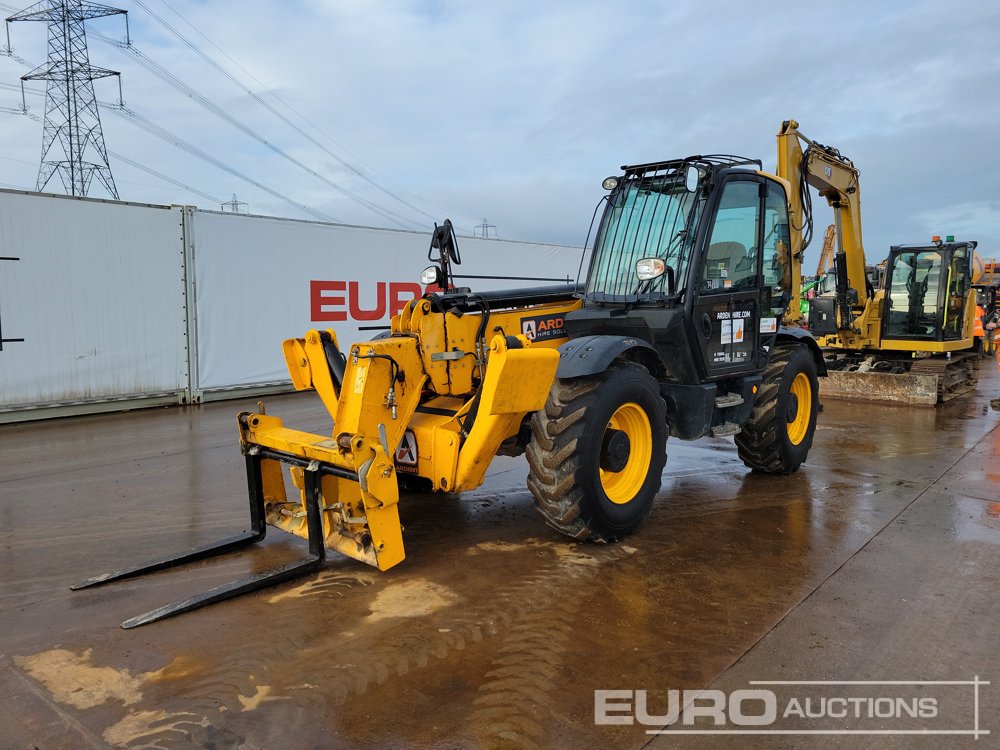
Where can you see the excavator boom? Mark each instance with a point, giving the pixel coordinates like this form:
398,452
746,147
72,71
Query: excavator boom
835,178
924,306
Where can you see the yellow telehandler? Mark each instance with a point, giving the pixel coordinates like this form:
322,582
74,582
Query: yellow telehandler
675,331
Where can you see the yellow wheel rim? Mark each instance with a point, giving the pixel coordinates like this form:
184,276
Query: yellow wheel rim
798,425
622,486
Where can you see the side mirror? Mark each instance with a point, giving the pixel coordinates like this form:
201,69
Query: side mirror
648,269
444,239
691,178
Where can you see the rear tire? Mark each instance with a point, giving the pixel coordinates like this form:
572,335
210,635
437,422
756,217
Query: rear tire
597,452
777,437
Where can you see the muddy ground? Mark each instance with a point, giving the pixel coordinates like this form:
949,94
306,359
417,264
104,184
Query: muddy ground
878,561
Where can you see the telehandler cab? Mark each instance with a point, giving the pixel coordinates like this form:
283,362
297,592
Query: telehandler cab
676,331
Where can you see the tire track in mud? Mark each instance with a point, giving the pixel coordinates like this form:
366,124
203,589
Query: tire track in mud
524,610
193,708
315,665
407,646
516,697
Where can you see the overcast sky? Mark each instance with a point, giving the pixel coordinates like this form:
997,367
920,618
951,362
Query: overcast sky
515,111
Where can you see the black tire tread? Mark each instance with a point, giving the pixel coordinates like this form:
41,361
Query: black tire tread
758,443
554,461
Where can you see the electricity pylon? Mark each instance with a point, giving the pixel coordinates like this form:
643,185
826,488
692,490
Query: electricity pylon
71,117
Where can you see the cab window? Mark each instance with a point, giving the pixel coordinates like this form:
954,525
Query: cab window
777,244
731,260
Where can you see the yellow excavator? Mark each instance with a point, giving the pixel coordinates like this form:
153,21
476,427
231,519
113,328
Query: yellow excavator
676,330
897,333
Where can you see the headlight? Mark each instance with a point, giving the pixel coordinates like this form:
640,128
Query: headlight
610,183
430,275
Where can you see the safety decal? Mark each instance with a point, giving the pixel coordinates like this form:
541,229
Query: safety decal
406,453
768,325
732,331
543,327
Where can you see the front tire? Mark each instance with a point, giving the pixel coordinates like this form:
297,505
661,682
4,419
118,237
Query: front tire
777,437
597,452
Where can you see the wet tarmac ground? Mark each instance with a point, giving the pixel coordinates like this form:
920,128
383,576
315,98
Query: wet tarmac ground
879,561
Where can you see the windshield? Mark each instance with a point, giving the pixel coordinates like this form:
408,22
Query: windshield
647,218
914,293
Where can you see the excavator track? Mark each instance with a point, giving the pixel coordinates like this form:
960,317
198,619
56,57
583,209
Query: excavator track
955,376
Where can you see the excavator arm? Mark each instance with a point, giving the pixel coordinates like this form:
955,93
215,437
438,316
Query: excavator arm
826,254
835,178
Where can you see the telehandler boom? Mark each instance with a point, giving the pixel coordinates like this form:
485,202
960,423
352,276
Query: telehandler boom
675,331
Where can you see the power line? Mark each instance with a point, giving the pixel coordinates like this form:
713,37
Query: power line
167,136
184,88
242,86
116,155
119,157
168,77
171,180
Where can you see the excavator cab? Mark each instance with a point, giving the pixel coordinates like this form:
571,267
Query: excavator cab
926,292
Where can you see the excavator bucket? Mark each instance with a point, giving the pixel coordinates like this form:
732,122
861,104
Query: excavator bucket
927,382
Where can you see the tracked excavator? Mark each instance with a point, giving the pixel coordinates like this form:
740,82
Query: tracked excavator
897,335
676,330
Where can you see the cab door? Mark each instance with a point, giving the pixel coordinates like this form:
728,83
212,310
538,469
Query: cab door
727,308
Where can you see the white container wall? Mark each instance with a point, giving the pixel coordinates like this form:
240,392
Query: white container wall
107,295
261,280
98,297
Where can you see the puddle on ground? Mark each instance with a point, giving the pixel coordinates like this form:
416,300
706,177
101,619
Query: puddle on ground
138,724
564,551
976,523
72,679
410,599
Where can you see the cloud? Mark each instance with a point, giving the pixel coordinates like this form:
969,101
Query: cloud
515,111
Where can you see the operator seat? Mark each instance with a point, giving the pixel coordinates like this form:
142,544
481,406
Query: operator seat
728,256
